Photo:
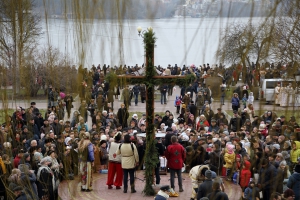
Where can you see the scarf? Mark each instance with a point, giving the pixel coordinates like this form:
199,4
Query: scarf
2,166
161,193
49,171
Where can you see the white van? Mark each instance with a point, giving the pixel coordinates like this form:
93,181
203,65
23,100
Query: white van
267,90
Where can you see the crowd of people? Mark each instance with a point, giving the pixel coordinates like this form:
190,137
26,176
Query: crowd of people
260,153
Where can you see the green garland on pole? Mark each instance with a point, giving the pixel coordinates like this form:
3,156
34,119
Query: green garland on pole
151,157
184,80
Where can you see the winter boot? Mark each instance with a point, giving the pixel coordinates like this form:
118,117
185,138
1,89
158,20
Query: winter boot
133,189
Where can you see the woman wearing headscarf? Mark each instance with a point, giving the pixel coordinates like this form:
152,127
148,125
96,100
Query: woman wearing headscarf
86,162
46,181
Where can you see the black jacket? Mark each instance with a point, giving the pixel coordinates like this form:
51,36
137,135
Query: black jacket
204,188
235,124
267,177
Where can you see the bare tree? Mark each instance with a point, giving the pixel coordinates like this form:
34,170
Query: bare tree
288,34
19,31
243,42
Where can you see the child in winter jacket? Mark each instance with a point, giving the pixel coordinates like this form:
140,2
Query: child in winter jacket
251,192
245,175
177,104
236,167
295,153
251,98
244,101
229,158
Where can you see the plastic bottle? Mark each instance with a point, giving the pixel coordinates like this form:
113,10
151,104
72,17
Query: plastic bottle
103,171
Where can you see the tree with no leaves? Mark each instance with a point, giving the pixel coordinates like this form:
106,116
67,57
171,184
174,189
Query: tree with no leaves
19,31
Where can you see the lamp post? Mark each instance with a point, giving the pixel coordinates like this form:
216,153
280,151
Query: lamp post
141,33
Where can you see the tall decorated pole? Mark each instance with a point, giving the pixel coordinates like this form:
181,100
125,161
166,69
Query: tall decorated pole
151,158
150,80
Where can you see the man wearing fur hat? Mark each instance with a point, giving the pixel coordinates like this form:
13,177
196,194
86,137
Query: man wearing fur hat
115,172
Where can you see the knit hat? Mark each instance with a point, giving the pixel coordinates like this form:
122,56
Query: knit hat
276,146
288,193
26,155
238,156
208,174
230,148
285,154
288,143
213,175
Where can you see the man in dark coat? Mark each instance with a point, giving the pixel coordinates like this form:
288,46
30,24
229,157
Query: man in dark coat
235,123
123,115
193,108
56,127
68,100
143,93
206,187
136,91
163,91
267,178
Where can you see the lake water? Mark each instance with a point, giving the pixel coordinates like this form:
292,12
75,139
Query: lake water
179,40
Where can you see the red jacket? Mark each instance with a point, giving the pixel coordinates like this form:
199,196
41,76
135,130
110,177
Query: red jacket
175,155
16,161
245,175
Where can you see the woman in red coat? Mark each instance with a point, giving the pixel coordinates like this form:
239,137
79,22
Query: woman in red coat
245,175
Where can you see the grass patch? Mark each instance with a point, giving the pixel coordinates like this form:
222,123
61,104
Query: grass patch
10,112
23,95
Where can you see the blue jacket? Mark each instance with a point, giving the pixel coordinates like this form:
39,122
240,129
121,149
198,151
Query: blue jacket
235,101
294,184
251,193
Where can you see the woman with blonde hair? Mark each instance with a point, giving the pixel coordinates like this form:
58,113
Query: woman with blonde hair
86,162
